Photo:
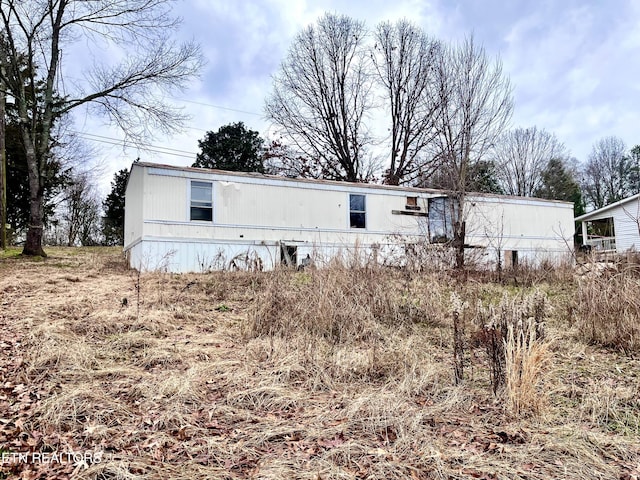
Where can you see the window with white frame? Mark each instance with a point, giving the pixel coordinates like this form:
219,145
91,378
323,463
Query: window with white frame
357,211
201,201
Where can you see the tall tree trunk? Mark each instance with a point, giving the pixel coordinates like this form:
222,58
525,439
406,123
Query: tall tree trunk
458,242
33,244
459,228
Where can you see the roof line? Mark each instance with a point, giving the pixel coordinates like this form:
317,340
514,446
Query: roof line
607,207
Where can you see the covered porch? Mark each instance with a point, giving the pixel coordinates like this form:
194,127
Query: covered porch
599,234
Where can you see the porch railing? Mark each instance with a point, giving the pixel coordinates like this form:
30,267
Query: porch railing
602,244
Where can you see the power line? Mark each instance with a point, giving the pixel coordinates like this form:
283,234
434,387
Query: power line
122,142
217,106
146,146
158,148
196,128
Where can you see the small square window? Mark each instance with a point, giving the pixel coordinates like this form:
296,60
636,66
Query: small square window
357,211
201,201
412,203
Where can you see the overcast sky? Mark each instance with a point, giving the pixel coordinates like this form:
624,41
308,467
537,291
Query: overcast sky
574,64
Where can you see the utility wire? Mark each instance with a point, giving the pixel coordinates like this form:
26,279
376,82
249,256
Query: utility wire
160,149
220,107
113,139
148,147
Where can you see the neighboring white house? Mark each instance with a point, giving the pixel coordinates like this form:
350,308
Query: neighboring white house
614,228
188,219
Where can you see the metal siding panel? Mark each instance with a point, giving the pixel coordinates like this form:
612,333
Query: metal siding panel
133,210
166,198
278,206
183,257
304,208
521,226
524,228
380,218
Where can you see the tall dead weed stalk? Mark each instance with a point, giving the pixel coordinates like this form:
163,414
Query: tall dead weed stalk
512,334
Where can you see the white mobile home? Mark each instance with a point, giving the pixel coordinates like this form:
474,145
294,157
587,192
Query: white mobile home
188,219
614,228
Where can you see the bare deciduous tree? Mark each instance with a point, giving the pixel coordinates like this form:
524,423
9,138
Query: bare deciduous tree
282,159
322,94
476,102
80,212
127,92
608,172
522,155
405,59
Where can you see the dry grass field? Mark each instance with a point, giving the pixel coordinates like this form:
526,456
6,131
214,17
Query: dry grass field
339,373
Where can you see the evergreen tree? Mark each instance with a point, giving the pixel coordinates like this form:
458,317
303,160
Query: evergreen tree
113,221
634,175
558,183
483,177
233,147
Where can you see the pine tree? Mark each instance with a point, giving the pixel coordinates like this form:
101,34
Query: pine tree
558,183
113,221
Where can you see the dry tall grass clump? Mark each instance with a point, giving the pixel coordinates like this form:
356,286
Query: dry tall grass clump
342,325
340,304
526,359
607,311
512,333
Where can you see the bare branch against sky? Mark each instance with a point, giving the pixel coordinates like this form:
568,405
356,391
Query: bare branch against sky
476,105
521,156
405,60
35,35
321,96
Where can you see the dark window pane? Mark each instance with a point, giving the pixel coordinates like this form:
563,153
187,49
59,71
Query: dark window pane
202,214
356,203
357,220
